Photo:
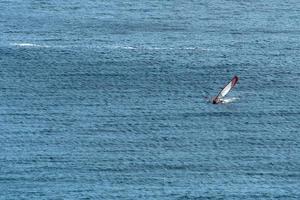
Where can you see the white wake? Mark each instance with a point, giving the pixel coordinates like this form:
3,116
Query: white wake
229,100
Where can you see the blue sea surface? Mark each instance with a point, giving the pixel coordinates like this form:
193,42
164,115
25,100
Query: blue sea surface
108,99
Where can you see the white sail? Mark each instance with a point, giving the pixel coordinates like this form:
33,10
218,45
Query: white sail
228,87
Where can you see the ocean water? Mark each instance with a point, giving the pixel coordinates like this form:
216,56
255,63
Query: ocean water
108,99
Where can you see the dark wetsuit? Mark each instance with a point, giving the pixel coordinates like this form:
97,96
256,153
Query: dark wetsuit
216,101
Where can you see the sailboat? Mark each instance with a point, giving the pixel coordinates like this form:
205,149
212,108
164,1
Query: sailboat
220,97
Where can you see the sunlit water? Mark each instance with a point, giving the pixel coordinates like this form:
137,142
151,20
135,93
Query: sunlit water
108,99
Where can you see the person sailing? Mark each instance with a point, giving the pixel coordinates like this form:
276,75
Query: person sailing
218,99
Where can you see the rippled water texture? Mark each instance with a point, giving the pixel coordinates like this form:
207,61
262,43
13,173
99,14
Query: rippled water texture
108,99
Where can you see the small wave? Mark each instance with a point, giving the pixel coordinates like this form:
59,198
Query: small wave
27,45
120,47
230,100
124,47
157,48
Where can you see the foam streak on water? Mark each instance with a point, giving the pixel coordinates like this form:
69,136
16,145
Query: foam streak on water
105,100
230,100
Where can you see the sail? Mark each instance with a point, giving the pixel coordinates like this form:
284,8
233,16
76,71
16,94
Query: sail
228,87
